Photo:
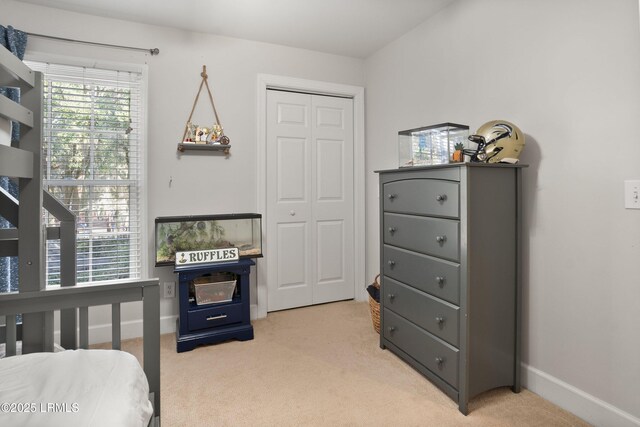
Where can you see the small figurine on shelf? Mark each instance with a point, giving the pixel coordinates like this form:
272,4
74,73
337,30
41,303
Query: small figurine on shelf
217,132
217,136
201,135
190,133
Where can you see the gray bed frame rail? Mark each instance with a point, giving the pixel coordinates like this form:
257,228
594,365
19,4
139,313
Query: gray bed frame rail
87,295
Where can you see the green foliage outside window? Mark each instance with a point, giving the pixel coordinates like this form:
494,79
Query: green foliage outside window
91,166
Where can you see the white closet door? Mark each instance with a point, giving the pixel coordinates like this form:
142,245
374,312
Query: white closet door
332,195
310,229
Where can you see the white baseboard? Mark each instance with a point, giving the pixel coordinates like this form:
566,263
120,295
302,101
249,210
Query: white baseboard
130,329
591,409
133,329
167,324
253,311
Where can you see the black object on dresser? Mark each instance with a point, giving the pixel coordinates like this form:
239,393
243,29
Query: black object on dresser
450,282
216,322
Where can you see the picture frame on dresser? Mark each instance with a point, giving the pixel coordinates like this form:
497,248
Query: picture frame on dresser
450,249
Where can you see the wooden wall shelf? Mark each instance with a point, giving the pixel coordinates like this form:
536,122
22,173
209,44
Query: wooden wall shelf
182,147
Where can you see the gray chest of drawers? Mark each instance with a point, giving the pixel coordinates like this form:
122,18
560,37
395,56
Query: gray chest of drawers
450,264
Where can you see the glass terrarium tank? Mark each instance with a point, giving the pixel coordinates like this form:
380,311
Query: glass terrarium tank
202,232
430,145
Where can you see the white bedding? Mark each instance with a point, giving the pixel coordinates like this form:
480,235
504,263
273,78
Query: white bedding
3,348
74,388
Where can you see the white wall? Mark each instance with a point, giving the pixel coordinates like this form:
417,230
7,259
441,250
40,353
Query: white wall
568,74
201,183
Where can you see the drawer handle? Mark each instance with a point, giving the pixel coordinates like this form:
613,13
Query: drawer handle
221,316
440,280
441,197
392,230
440,320
439,361
391,263
392,329
392,196
441,239
391,296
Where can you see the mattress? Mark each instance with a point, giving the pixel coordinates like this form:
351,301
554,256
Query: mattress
74,388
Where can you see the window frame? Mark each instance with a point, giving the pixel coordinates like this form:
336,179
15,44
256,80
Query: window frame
142,143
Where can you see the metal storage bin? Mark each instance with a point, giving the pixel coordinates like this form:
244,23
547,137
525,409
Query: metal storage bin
430,145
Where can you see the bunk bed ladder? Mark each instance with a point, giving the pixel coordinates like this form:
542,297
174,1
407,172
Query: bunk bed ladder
27,239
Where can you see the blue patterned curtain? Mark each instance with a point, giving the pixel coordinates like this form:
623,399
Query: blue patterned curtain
16,42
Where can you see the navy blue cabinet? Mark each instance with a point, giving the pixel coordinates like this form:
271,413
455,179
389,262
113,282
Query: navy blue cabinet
215,322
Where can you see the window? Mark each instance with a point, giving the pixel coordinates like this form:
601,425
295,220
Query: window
93,163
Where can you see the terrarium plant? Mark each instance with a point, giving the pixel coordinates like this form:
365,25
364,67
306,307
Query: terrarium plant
458,155
188,236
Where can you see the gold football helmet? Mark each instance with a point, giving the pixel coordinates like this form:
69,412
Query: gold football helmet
499,141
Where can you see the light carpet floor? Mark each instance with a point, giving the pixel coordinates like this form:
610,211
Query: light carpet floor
322,366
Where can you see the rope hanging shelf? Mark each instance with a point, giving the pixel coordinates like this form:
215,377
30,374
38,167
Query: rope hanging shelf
203,138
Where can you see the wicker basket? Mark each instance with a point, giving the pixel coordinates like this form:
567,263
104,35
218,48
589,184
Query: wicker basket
374,306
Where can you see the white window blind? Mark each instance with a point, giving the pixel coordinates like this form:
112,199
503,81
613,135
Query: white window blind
92,160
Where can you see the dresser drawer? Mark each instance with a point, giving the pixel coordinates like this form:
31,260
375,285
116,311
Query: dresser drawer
422,197
431,352
436,316
203,318
433,275
433,236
